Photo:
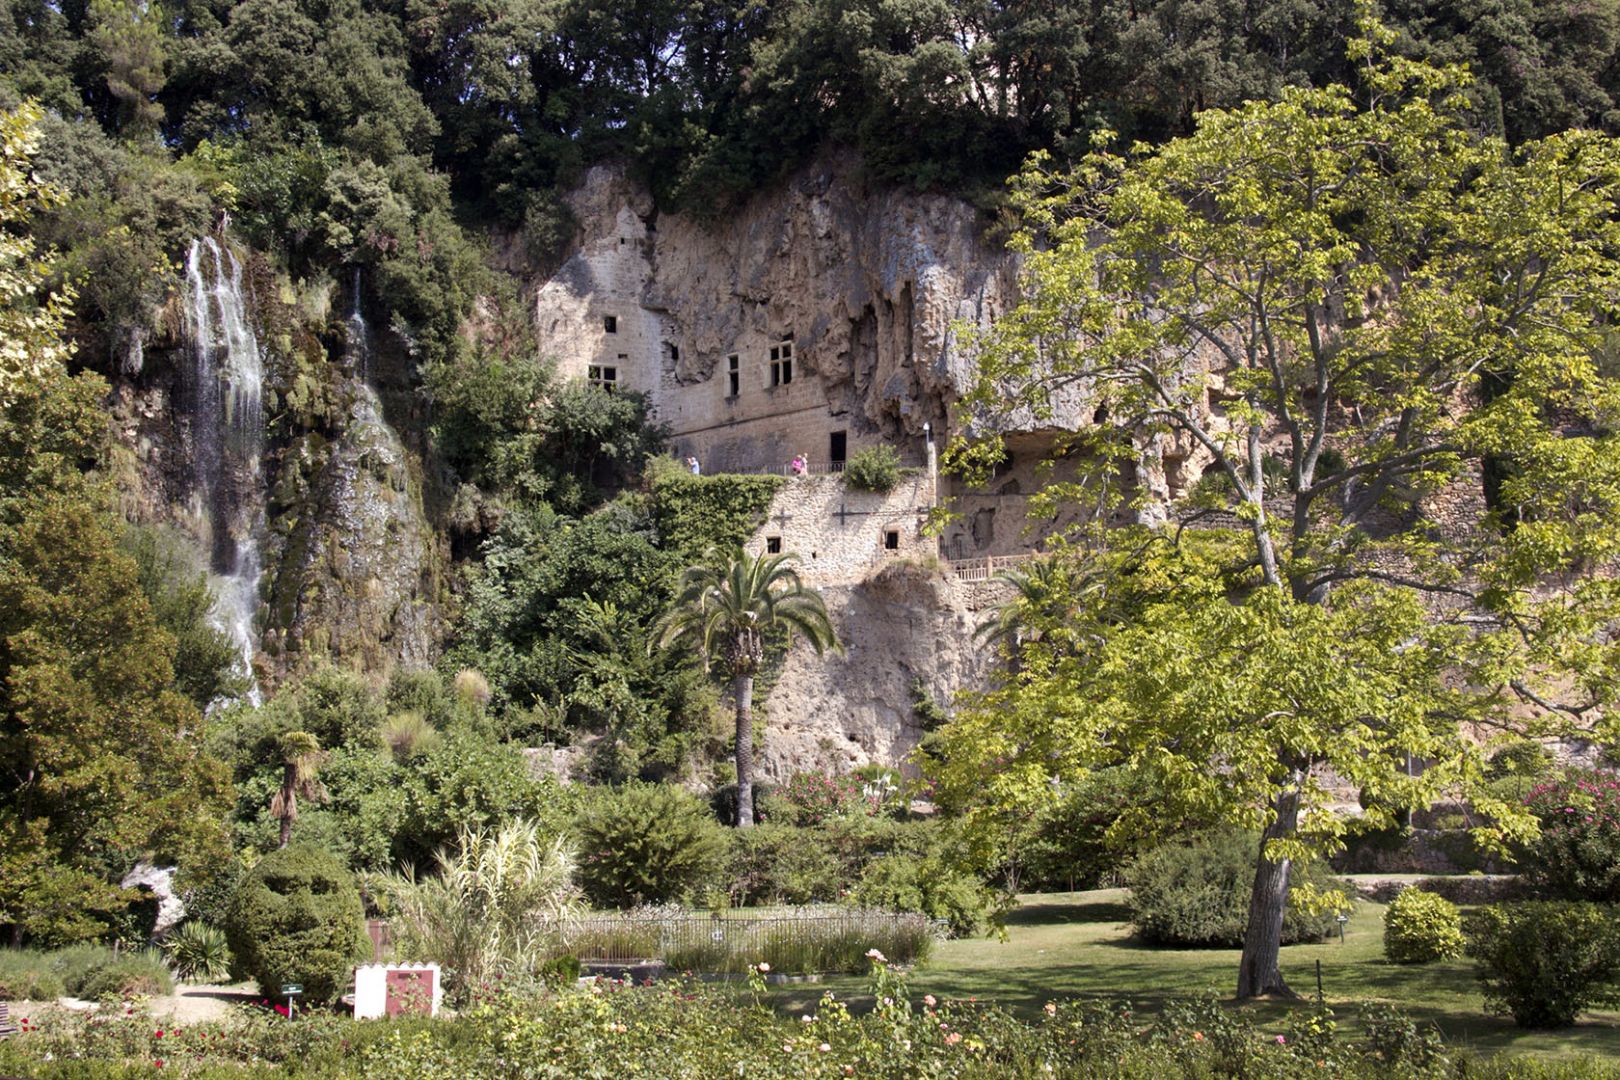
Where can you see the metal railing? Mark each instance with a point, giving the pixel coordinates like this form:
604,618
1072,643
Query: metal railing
837,940
984,569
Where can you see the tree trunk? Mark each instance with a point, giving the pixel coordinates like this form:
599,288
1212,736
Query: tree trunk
289,810
1260,972
742,691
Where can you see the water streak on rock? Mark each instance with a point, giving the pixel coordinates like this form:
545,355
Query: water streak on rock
227,418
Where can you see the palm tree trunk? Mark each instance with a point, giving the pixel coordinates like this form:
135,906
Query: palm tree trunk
289,810
742,692
1260,970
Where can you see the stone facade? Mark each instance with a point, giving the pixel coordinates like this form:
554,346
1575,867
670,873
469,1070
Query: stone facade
841,535
817,321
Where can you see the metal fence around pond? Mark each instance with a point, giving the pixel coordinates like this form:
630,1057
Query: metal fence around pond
794,944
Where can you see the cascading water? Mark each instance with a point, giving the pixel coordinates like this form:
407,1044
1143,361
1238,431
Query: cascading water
228,437
359,336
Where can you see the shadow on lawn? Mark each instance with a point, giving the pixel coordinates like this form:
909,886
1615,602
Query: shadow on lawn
1047,914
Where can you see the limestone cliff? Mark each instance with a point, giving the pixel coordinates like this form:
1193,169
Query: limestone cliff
862,287
906,630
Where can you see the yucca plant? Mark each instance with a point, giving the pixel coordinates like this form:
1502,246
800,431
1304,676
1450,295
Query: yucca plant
197,952
495,903
408,735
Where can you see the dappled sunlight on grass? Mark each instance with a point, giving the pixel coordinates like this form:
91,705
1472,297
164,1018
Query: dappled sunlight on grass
1079,945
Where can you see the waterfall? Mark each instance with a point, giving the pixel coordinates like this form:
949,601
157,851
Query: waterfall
359,347
228,438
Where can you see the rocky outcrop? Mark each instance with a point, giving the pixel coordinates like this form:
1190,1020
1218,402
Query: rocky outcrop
356,576
865,287
159,882
907,633
869,282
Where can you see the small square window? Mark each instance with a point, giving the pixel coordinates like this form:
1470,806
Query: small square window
773,545
605,377
891,539
610,323
733,376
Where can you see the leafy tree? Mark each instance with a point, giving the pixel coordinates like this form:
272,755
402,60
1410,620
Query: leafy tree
727,607
129,36
300,778
206,662
100,759
30,325
1344,303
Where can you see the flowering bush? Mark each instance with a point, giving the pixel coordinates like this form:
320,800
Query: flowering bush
812,798
676,1030
1577,855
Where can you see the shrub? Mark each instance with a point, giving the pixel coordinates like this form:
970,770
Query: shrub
1421,926
812,798
198,952
75,963
646,844
492,908
1072,845
408,736
1197,894
813,939
1546,961
782,864
297,917
26,975
877,468
130,975
1577,855
928,885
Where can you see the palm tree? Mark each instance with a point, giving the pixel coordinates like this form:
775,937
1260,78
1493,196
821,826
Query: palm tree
1044,594
726,606
300,762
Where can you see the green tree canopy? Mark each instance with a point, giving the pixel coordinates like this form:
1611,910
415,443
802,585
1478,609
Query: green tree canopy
1345,305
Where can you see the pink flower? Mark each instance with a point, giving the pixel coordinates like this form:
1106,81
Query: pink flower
1281,1041
930,1001
953,1038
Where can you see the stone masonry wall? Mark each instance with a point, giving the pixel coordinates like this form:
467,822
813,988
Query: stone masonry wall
838,533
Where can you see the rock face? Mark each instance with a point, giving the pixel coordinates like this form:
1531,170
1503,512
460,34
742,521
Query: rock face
907,633
823,309
159,881
819,320
351,566
356,571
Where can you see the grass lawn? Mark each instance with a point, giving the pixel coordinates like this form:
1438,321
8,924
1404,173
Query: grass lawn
1077,945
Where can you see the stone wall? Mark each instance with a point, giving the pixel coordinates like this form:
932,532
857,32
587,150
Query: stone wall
840,534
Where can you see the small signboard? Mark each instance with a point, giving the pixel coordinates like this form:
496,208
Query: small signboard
396,989
289,989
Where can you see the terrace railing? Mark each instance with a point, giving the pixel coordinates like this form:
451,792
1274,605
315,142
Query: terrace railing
984,569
